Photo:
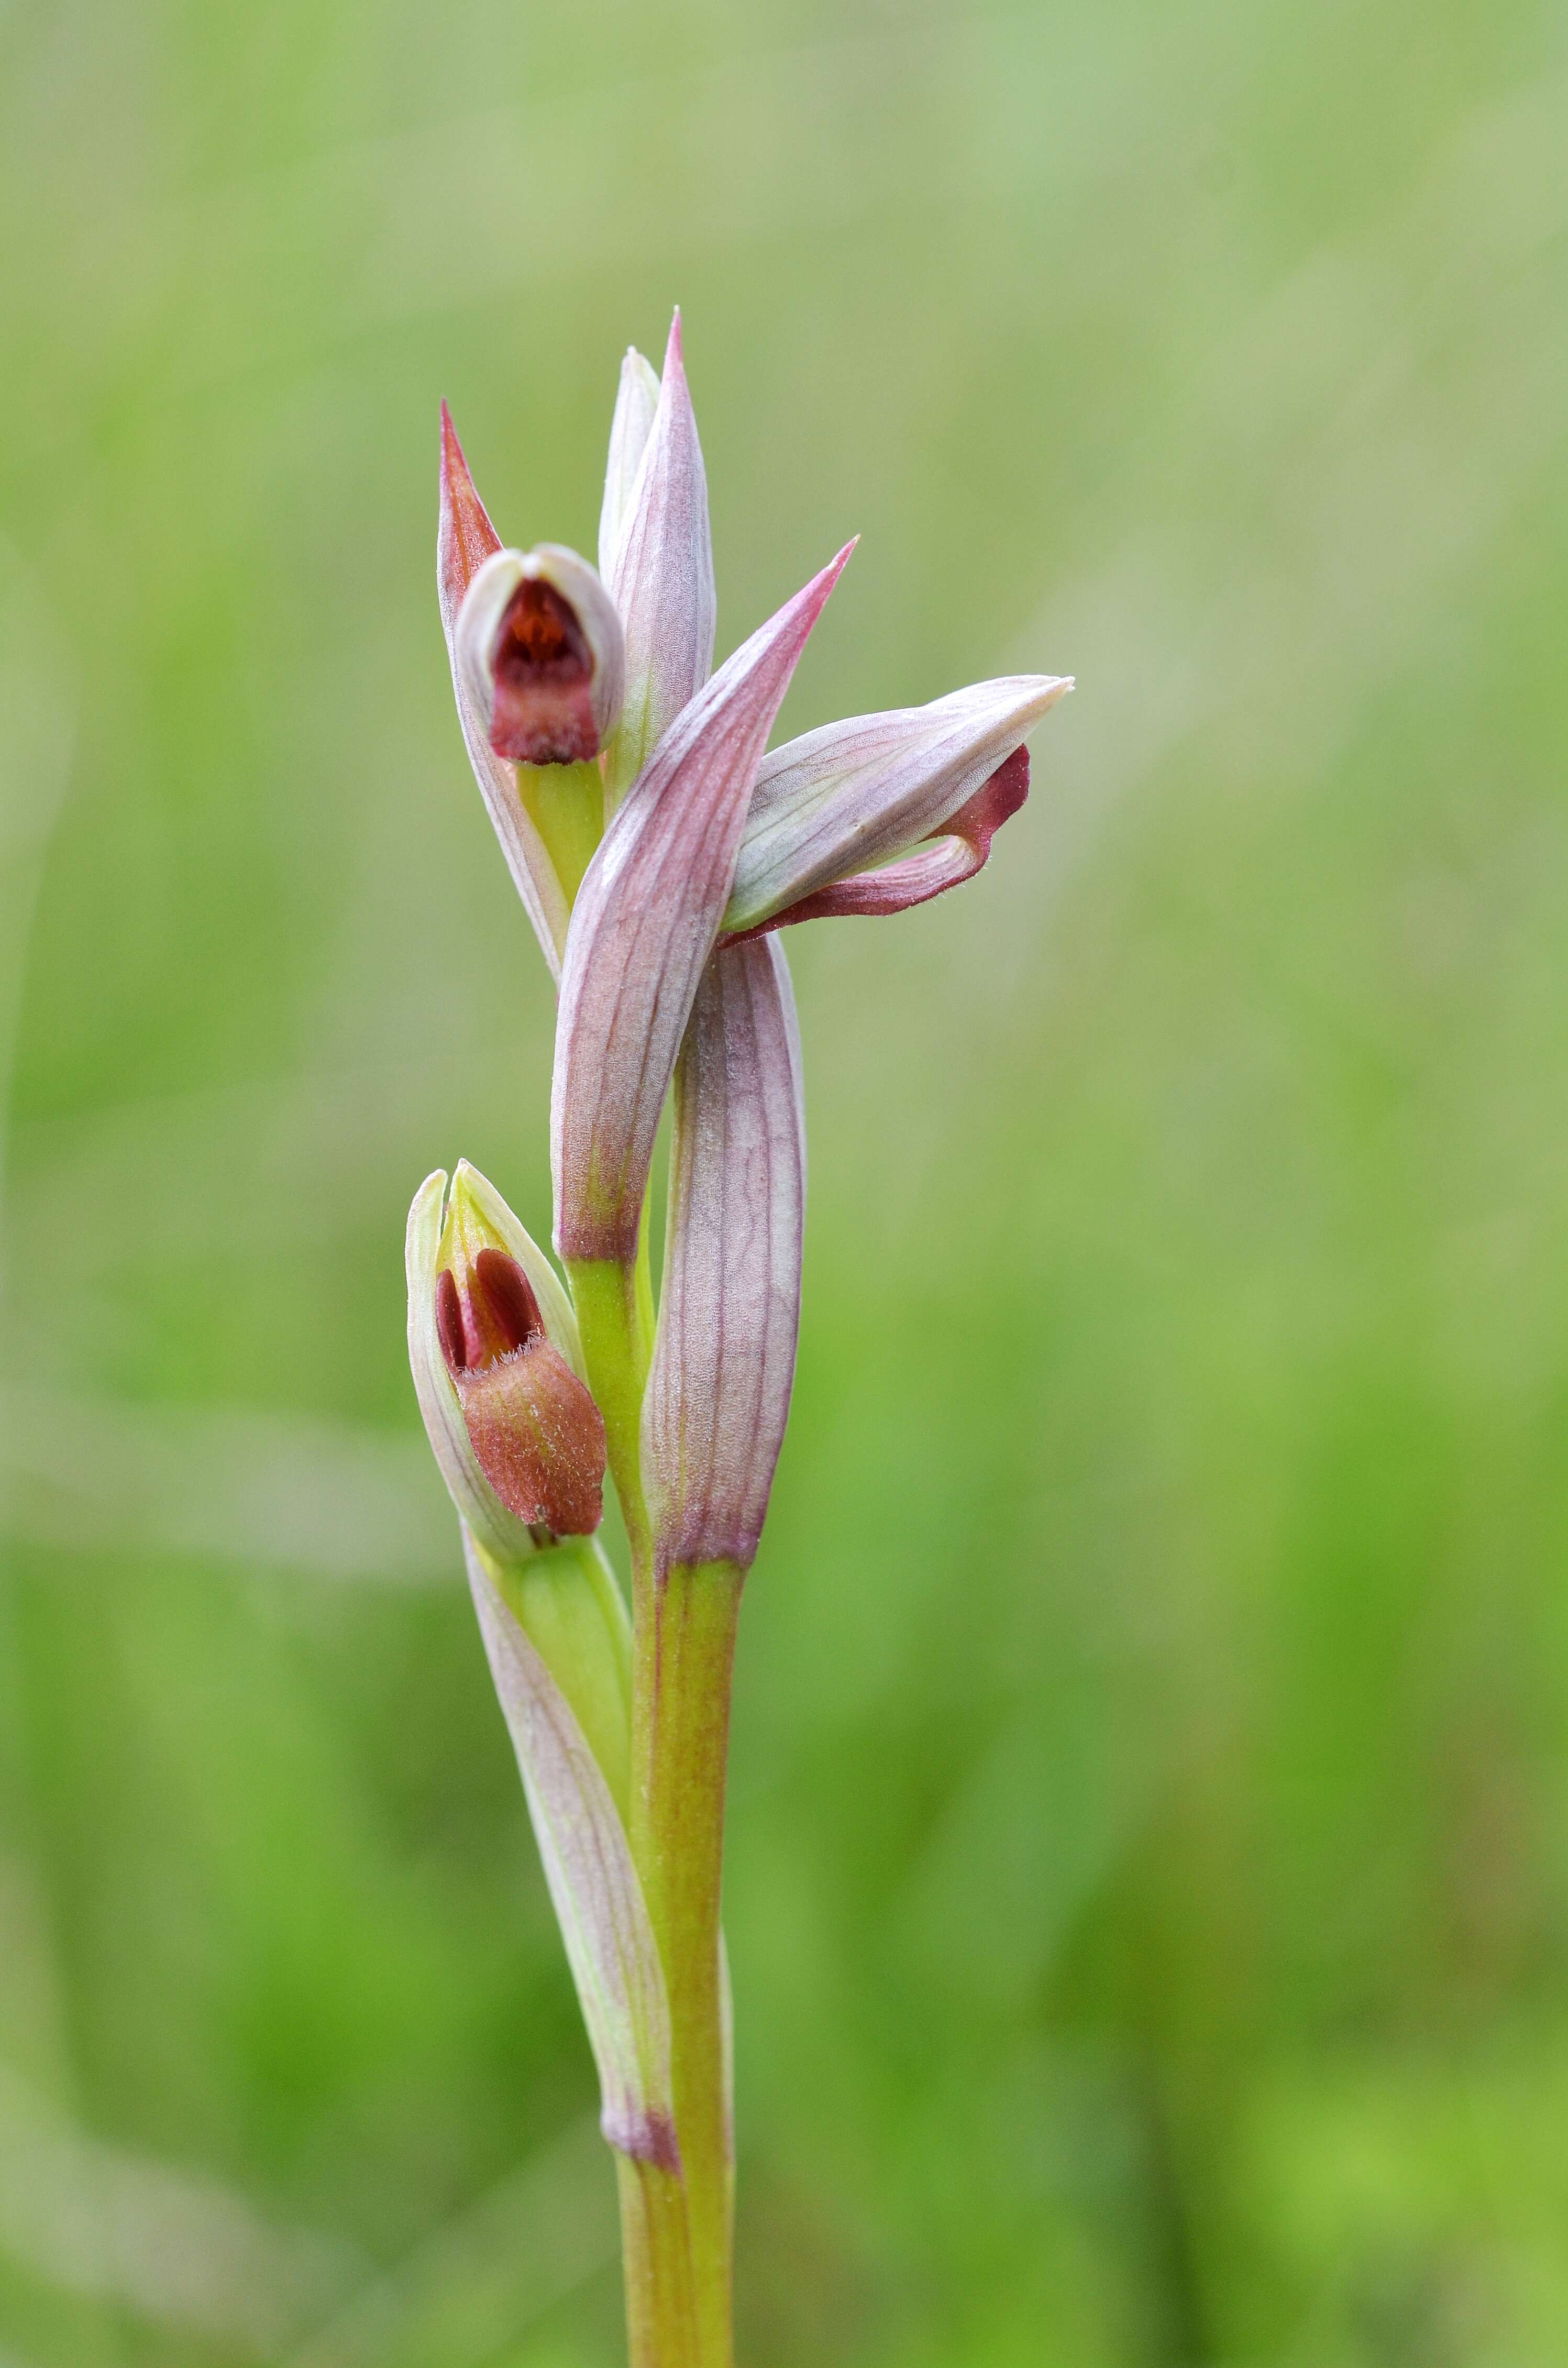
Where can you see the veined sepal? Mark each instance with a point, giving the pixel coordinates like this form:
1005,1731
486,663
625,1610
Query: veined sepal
952,855
724,1366
593,1884
636,407
660,571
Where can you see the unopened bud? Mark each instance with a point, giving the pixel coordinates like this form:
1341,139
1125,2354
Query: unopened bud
543,654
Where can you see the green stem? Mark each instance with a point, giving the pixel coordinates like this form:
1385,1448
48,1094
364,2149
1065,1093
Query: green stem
614,1305
677,2232
655,2254
683,1654
676,2227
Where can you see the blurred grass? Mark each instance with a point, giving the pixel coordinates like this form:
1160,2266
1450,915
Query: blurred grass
1149,1874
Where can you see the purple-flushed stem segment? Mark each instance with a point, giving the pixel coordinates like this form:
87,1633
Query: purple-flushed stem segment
645,923
660,571
725,1356
856,794
465,539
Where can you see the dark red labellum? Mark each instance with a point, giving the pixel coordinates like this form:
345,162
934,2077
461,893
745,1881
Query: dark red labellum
542,669
533,1425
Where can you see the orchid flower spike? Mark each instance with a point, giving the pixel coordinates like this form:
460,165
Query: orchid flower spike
496,1364
658,849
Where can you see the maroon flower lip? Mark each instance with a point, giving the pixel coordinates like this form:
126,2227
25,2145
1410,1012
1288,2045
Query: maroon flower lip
538,1437
543,671
497,1315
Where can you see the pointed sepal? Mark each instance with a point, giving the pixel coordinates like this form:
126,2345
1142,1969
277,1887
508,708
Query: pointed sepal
661,577
645,923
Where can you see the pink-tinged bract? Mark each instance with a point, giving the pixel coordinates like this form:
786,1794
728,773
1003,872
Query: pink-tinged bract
724,1357
593,1884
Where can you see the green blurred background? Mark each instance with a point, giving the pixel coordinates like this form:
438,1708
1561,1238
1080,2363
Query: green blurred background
1148,1889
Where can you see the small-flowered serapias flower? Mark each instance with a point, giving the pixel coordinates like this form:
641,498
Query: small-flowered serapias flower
659,850
496,1354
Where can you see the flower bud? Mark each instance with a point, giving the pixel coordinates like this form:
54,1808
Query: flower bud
543,654
494,1352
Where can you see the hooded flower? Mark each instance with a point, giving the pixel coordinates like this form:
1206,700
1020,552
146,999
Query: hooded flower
541,652
844,808
538,661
